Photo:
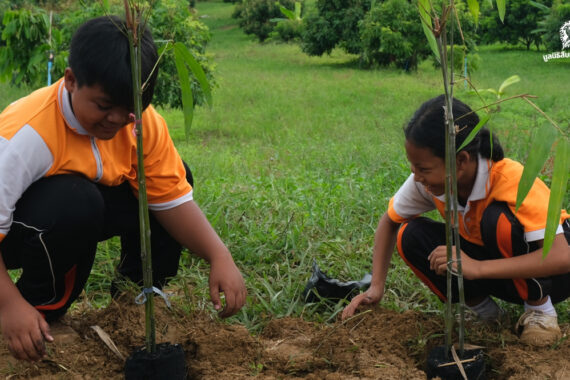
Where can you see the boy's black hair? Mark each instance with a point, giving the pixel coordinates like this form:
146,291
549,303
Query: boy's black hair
426,129
99,55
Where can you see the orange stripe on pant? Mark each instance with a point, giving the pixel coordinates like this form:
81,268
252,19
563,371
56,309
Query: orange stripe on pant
69,284
417,272
505,245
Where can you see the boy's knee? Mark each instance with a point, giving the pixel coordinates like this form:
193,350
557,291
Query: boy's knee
66,202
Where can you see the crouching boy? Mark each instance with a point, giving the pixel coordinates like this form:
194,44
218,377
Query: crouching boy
68,179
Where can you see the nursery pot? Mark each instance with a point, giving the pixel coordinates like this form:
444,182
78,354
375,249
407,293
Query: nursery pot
442,365
167,362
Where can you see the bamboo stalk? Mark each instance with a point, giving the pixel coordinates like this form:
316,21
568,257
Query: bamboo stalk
134,32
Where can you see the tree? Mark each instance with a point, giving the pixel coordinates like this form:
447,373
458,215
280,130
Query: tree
521,19
334,24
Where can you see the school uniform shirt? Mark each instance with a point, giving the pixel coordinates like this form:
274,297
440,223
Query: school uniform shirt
41,137
494,182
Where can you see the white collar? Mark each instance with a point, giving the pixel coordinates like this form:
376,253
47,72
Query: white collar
67,111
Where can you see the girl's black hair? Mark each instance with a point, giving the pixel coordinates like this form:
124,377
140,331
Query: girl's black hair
99,55
426,129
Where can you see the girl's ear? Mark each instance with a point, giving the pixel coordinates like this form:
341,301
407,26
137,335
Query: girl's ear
462,159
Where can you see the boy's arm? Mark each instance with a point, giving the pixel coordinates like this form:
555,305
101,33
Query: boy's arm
524,266
384,242
188,225
23,327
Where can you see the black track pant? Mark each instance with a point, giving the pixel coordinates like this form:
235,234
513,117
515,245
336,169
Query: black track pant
57,224
503,236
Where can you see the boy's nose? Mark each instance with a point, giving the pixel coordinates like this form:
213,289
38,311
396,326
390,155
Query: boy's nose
118,117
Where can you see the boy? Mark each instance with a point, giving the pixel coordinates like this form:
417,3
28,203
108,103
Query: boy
68,180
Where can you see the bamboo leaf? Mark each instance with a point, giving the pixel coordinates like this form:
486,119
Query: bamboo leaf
507,82
197,70
540,6
424,7
542,143
186,90
474,132
501,7
557,191
474,9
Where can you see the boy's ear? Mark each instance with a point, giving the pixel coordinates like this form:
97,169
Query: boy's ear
70,80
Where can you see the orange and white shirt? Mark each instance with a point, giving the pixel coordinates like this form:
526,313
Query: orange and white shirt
494,182
41,137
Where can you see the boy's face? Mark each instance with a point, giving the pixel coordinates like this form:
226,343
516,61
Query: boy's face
94,110
428,169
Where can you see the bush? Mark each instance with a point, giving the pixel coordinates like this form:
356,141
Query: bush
549,26
255,16
392,33
23,58
287,30
173,20
25,47
521,19
334,24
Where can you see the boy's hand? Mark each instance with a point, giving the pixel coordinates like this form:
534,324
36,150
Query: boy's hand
225,277
24,330
370,297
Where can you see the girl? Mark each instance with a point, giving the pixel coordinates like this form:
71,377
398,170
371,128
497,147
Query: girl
501,251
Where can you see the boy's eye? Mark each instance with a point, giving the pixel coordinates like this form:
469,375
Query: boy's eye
103,108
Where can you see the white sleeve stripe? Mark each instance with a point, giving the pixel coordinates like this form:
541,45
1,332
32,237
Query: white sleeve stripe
24,159
168,205
539,234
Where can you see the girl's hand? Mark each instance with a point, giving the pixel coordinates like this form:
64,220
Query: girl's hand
370,297
438,262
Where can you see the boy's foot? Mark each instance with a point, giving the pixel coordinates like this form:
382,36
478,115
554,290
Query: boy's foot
538,329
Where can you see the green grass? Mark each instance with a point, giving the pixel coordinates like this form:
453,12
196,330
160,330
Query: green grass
300,155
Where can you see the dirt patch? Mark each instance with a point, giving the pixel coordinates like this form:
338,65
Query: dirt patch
376,344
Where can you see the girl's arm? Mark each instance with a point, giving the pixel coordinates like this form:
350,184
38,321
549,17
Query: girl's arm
524,266
384,242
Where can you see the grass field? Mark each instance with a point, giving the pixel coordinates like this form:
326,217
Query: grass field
299,156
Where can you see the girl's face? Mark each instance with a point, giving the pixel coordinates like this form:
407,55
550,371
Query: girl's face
428,169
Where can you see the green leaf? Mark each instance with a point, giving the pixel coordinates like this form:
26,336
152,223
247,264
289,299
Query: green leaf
557,191
186,90
289,14
474,9
507,82
542,142
196,70
475,130
297,10
424,8
501,7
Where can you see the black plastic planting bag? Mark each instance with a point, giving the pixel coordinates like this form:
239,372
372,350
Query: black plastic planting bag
166,363
441,366
322,286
